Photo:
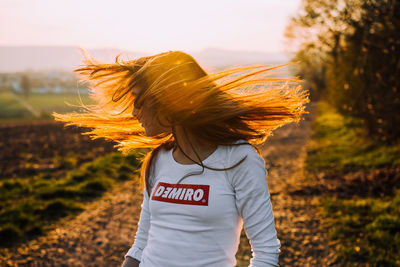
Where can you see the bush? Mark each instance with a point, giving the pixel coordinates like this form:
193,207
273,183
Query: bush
349,52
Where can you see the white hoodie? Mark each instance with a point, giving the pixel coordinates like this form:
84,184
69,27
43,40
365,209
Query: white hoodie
198,221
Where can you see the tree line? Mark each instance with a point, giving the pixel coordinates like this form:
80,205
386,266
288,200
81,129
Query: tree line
29,82
348,53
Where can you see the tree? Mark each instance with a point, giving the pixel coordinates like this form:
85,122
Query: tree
356,44
4,83
26,85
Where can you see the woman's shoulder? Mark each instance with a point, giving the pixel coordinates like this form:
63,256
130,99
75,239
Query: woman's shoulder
239,149
241,146
249,163
162,154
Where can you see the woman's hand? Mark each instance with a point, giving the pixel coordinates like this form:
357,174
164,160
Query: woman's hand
130,262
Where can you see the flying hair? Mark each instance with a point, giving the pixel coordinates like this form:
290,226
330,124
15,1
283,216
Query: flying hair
222,107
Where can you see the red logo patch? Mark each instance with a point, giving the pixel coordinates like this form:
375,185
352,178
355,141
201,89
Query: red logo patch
189,194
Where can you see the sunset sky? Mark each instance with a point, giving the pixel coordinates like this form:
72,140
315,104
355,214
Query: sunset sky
147,25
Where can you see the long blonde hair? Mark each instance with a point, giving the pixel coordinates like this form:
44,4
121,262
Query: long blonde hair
223,107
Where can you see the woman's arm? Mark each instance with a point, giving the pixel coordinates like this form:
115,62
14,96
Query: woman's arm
135,252
254,205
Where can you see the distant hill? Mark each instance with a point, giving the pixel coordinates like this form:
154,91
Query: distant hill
66,58
215,57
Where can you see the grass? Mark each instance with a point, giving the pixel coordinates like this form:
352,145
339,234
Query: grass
367,230
11,109
340,143
28,206
56,102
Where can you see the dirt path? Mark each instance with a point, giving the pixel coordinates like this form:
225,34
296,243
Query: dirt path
303,239
102,234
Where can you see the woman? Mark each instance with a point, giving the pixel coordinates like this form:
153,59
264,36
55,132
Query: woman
203,179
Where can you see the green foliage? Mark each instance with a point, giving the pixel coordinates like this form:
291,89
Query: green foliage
341,143
30,204
349,52
363,78
368,229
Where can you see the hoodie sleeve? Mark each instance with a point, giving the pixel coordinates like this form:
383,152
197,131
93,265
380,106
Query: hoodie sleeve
142,232
254,206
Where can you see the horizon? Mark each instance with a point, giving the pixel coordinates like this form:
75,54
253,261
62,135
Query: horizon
39,58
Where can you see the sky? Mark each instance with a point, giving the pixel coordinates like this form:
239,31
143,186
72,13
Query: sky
147,25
